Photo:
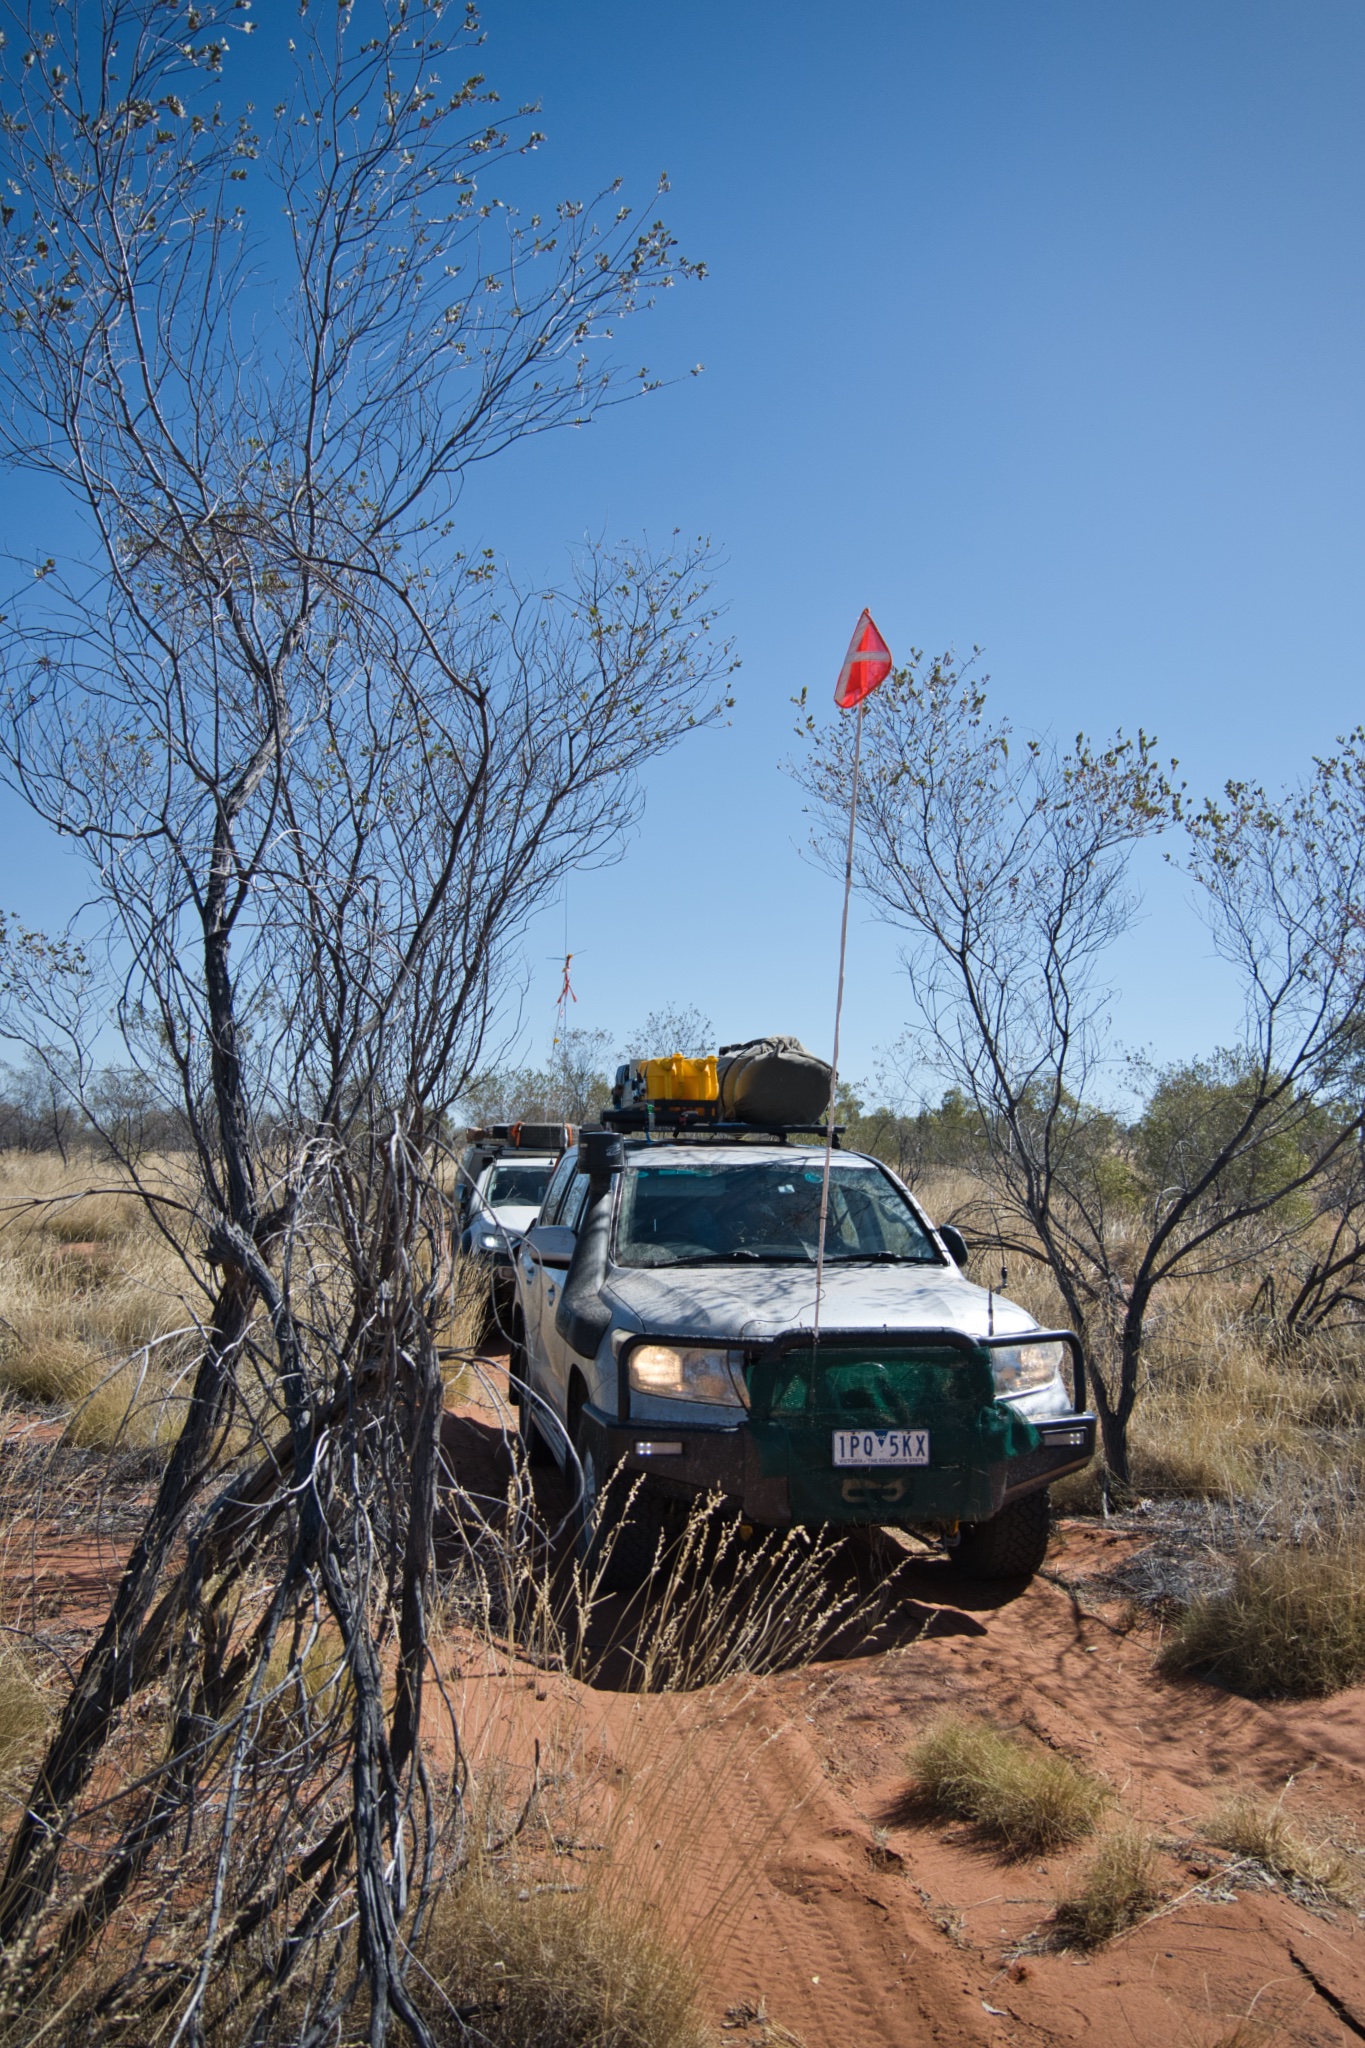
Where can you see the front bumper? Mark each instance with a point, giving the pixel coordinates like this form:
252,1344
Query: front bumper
686,1462
776,1463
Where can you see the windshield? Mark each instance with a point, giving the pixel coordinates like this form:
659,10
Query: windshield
765,1211
520,1186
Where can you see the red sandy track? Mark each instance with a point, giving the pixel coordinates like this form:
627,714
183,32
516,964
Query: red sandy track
770,1822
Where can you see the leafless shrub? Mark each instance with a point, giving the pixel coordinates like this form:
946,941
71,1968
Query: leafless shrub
323,765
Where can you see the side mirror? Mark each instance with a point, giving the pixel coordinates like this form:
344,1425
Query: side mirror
955,1242
550,1244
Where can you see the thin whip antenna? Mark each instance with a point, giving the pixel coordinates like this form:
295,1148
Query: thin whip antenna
838,1016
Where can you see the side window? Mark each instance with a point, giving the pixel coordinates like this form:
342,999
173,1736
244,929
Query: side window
559,1180
573,1206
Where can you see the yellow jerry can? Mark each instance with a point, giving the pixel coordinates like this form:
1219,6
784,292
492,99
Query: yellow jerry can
680,1080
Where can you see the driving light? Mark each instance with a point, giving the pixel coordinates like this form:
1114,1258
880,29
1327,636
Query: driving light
1019,1368
489,1242
689,1373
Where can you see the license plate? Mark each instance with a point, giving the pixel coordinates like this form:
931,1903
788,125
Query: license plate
881,1446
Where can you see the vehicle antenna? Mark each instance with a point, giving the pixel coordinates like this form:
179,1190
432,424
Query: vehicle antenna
866,667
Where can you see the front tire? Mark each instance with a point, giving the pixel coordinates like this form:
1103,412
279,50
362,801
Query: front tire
1011,1545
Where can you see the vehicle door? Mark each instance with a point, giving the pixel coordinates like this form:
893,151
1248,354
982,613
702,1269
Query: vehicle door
538,1284
553,1348
554,1352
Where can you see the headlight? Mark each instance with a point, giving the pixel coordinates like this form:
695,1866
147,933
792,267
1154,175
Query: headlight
489,1241
1019,1368
685,1373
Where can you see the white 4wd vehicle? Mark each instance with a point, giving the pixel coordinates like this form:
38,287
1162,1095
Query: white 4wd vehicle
502,1186
666,1306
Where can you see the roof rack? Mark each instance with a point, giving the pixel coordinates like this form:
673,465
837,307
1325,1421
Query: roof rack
679,1124
521,1137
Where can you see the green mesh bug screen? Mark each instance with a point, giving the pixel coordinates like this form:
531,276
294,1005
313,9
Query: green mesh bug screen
868,1406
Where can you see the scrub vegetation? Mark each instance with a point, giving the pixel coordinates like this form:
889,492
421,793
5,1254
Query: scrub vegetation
1006,864
533,1966
1261,1831
1028,1798
97,1314
323,760
1291,1624
1115,1887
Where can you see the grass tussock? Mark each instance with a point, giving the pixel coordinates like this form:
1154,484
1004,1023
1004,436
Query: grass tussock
99,1219
1115,1888
1259,1830
1025,1796
129,1409
91,1295
50,1370
24,1717
1291,1625
706,1604
1226,1400
513,1965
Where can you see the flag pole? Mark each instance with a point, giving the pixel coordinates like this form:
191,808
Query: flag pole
838,1015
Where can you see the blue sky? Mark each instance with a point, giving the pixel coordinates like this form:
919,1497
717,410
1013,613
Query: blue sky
1034,327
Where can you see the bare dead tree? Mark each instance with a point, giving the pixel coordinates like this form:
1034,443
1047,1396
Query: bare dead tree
1008,866
1329,1280
323,765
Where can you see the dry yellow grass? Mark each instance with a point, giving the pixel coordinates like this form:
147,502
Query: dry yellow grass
90,1292
541,1968
24,1717
1027,1797
1260,1830
1223,1401
1258,1402
1291,1625
1115,1887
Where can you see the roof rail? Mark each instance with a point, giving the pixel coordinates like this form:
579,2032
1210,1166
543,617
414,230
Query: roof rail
688,1124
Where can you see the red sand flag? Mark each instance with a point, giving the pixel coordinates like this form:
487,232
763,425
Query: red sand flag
866,665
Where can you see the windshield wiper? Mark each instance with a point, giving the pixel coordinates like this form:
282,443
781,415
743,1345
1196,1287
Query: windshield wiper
879,1259
743,1258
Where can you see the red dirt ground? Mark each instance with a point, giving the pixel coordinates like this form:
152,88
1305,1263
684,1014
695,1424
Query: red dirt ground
770,1822
792,1862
